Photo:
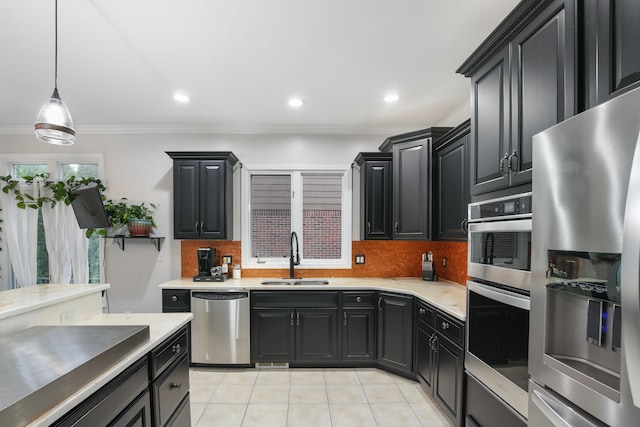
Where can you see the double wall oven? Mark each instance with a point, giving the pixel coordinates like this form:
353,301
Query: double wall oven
498,299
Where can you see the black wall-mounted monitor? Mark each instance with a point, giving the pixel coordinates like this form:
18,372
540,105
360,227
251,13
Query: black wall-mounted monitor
89,209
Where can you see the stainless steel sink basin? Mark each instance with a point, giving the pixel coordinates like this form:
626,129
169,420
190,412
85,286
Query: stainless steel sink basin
294,282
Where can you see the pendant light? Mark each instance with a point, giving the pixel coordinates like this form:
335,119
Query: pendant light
54,124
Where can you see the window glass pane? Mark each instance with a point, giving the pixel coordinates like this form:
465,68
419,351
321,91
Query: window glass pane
22,170
270,215
322,216
79,170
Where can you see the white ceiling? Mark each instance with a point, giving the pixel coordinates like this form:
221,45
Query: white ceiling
120,61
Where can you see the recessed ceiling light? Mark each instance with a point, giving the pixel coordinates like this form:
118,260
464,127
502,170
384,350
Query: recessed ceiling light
296,102
392,97
181,97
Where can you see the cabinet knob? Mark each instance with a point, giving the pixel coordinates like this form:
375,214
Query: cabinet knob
175,385
422,311
176,348
174,298
445,325
358,299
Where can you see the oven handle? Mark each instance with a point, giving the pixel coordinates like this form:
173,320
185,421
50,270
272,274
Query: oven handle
501,226
500,295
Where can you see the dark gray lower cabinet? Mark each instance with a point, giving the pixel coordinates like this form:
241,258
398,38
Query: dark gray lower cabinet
294,327
395,332
440,358
358,327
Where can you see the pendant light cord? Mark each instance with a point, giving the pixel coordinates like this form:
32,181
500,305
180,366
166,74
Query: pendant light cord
56,48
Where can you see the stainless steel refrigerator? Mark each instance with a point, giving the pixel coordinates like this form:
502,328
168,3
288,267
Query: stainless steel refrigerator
584,342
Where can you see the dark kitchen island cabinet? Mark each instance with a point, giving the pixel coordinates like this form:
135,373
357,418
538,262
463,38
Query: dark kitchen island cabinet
440,358
375,195
451,184
411,206
203,195
294,327
395,332
522,82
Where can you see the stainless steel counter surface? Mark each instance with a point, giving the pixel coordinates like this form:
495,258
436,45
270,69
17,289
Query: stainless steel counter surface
161,327
448,296
42,364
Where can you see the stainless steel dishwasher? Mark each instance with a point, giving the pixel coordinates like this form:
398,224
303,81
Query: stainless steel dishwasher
220,327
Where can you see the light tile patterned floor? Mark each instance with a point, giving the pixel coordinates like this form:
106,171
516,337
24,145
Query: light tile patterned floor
309,398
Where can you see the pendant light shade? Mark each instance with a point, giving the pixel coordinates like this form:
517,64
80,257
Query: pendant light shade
54,124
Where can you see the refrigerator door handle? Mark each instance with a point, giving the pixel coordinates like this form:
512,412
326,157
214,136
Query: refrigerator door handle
630,272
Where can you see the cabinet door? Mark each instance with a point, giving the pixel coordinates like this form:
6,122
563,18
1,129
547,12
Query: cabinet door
395,331
449,371
316,334
136,415
490,125
542,79
186,199
357,335
616,48
377,199
451,178
213,197
411,190
273,335
425,361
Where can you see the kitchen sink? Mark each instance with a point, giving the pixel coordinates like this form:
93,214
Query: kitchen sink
295,282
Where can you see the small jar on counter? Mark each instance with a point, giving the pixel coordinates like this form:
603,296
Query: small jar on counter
236,271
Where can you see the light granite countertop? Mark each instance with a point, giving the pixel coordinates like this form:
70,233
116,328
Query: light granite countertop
450,297
24,300
161,327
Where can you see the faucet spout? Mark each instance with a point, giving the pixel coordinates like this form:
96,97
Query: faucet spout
293,261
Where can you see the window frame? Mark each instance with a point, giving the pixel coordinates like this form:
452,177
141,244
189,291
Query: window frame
54,162
296,173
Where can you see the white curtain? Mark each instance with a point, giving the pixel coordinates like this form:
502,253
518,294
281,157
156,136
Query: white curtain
21,232
66,243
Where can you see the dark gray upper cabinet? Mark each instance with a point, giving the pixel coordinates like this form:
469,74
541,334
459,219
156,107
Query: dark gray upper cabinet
411,207
611,33
451,184
375,195
203,195
522,82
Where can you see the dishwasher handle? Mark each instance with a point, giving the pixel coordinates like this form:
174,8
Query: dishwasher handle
221,296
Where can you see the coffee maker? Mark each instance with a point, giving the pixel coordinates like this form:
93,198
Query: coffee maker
206,261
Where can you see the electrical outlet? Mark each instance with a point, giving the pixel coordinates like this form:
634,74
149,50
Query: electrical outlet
160,257
68,317
359,259
444,261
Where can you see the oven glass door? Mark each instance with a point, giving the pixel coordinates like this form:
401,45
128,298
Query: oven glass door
498,331
500,252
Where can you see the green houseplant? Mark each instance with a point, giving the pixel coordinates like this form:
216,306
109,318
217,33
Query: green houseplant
137,217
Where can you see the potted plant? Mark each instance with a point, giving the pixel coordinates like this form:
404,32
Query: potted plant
137,217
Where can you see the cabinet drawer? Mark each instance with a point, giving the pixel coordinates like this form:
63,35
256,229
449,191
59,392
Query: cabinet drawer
289,299
425,313
172,348
358,299
174,300
169,390
452,329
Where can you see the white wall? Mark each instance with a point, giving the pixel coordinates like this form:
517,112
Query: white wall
137,167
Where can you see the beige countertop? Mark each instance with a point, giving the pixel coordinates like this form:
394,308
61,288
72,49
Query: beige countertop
161,327
445,295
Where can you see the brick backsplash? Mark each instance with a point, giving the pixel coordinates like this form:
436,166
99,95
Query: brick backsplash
384,258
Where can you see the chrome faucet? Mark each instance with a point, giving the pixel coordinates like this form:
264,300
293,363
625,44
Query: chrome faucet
293,262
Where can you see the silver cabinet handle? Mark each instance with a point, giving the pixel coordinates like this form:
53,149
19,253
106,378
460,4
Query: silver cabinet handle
445,325
502,160
174,298
369,227
175,385
422,311
395,228
510,164
202,227
298,319
292,318
463,225
345,318
176,348
380,303
358,299
195,227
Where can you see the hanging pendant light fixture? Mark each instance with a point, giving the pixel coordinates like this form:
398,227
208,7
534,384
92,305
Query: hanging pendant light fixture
54,124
